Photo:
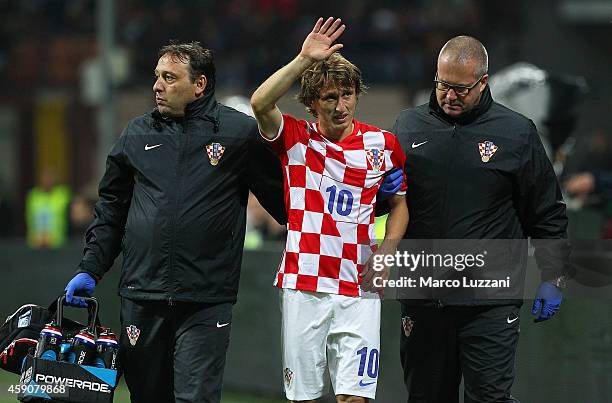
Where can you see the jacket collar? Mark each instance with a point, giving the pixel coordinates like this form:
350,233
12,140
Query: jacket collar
205,107
483,106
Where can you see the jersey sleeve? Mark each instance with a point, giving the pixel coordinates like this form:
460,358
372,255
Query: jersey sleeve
289,133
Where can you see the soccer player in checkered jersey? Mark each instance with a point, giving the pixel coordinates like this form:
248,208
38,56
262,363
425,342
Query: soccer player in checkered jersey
332,170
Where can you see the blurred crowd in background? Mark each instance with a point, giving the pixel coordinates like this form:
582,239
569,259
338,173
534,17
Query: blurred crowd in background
47,119
397,40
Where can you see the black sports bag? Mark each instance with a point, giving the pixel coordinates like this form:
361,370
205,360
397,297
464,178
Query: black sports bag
21,330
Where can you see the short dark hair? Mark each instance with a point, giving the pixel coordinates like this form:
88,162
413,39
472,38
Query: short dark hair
201,60
335,70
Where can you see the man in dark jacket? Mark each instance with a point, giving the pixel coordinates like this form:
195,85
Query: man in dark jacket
476,170
173,200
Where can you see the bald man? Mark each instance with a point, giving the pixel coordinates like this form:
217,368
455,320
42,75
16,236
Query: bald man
475,170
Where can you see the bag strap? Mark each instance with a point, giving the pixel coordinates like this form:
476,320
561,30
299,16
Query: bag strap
8,318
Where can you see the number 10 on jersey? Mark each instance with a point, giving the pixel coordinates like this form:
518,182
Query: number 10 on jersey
340,200
342,203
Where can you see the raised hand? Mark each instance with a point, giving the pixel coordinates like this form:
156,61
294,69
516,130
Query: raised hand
319,43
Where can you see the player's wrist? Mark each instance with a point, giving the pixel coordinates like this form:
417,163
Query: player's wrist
305,60
387,247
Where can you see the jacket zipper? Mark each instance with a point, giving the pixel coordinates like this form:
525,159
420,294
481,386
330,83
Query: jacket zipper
439,303
183,145
447,173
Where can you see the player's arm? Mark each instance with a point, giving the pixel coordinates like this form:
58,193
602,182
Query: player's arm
394,232
396,224
317,46
264,99
398,209
397,221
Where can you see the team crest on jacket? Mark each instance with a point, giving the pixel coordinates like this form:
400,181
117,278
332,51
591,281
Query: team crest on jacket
133,333
407,324
486,149
215,152
376,157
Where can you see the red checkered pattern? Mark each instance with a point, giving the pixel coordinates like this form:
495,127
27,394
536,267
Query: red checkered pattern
330,194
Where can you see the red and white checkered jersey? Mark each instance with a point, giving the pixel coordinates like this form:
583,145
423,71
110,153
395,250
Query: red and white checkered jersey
330,194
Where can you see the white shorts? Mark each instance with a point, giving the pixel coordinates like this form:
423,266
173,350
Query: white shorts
329,337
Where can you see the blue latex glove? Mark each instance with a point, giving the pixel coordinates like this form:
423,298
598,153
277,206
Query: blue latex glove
81,284
547,302
390,185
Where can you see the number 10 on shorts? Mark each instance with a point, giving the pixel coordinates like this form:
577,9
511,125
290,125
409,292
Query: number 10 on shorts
370,359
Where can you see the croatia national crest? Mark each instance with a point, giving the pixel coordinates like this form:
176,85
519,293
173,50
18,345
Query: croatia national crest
376,158
215,152
133,334
486,149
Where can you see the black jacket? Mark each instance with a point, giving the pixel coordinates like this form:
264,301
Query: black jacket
178,219
453,194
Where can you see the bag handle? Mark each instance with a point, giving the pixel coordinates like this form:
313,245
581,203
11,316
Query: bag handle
93,320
